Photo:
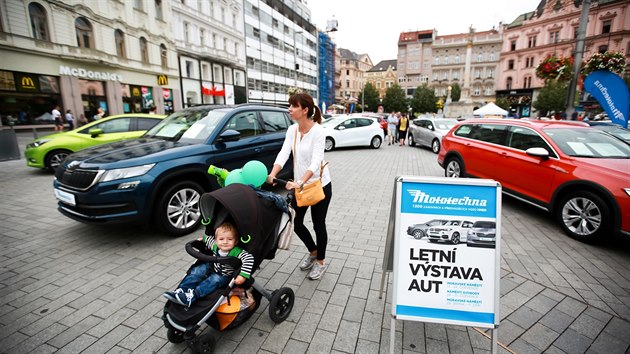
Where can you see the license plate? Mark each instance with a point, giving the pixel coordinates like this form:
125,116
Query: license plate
65,197
486,239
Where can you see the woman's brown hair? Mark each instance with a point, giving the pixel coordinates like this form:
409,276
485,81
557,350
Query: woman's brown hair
305,100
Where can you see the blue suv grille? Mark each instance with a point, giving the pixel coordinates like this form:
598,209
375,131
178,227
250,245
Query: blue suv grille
76,179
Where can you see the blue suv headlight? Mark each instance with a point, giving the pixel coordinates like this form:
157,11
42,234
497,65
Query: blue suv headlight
129,172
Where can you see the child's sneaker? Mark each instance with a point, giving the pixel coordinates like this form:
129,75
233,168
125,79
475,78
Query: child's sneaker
317,271
172,295
307,263
186,298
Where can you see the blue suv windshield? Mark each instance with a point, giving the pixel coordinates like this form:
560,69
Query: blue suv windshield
187,126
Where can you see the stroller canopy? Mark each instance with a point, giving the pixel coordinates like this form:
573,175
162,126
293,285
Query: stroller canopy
255,218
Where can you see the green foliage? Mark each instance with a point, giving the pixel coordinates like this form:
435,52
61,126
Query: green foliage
370,97
424,100
552,97
503,103
395,99
456,92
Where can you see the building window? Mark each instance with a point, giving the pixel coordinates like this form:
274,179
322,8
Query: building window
513,45
606,26
527,82
490,73
84,32
602,49
256,33
477,74
575,32
445,60
186,32
119,36
531,43
137,4
479,57
214,40
202,37
491,56
437,61
163,56
234,21
476,91
511,64
39,23
158,9
144,50
508,83
347,83
189,68
554,36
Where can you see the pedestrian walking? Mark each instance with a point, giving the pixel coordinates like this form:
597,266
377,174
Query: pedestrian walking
403,125
56,115
307,139
70,120
392,128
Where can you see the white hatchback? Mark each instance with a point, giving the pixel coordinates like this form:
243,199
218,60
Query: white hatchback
352,130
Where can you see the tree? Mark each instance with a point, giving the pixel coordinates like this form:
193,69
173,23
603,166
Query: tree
552,97
456,92
424,100
503,103
395,99
370,97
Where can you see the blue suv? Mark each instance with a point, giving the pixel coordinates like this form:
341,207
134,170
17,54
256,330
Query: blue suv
159,177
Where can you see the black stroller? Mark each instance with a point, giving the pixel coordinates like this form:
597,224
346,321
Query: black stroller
259,221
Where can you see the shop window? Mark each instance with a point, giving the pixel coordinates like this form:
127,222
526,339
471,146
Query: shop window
158,9
83,29
7,81
606,26
144,50
227,75
119,36
163,56
39,21
218,73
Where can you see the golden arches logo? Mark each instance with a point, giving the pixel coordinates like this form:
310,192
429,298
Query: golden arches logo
28,82
162,80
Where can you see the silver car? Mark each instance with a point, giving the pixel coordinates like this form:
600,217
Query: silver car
429,132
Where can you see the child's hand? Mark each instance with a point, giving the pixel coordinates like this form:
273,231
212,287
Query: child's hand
240,280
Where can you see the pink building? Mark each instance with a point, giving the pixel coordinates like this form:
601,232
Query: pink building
552,28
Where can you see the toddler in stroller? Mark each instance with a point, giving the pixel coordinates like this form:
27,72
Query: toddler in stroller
259,222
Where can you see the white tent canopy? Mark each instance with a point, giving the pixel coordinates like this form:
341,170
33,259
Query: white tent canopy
490,110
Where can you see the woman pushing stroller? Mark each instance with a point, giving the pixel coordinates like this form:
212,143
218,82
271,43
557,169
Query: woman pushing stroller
205,278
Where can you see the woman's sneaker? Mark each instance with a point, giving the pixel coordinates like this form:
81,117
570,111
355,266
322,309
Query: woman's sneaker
307,263
317,271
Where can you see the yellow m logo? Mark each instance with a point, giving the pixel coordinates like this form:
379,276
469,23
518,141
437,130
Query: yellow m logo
162,80
27,82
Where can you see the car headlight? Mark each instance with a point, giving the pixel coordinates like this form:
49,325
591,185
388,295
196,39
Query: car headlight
37,143
627,191
129,172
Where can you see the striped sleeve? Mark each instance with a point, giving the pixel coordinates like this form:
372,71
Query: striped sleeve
247,265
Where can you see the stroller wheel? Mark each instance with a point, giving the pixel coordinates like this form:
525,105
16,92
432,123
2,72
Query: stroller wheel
174,336
203,345
281,304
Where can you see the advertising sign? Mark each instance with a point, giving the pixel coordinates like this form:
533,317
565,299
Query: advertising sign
447,251
612,93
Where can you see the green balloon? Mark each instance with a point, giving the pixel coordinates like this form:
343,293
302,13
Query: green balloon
235,176
255,173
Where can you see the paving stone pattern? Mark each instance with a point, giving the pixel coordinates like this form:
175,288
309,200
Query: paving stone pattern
67,287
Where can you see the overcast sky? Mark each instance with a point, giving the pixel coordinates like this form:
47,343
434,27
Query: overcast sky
373,26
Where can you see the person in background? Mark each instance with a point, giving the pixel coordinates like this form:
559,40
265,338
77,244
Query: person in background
153,110
403,125
100,113
81,121
308,137
56,115
70,120
392,127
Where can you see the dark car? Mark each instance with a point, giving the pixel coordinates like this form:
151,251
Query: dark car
482,234
613,129
418,231
160,177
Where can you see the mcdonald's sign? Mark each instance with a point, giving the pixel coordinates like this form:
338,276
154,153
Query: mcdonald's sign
162,80
27,82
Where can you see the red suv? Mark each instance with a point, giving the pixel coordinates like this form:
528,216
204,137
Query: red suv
580,174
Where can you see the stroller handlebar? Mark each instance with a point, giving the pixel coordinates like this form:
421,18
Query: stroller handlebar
194,248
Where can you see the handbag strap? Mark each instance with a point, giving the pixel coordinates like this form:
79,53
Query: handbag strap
321,168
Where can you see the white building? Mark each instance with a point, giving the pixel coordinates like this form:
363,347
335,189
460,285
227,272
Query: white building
281,50
82,55
209,36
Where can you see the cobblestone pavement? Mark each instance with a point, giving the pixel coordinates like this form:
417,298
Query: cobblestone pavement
67,287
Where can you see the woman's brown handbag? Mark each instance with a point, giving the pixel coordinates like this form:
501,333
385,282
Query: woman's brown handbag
311,193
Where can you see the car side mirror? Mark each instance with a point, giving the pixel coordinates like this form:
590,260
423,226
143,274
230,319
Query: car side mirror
430,127
538,152
229,135
341,127
95,132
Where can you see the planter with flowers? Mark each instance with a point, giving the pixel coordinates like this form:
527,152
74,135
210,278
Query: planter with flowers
555,68
612,61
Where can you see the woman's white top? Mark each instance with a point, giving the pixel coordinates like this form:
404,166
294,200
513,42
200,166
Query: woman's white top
310,153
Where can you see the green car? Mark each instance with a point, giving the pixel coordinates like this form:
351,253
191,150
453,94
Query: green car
49,151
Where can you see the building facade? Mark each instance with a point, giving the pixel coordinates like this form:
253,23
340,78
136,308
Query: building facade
210,41
552,29
383,76
414,59
281,49
82,55
353,68
470,60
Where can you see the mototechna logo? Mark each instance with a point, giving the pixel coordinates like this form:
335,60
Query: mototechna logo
419,197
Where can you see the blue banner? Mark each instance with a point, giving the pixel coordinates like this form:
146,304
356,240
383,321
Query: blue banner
445,199
612,93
